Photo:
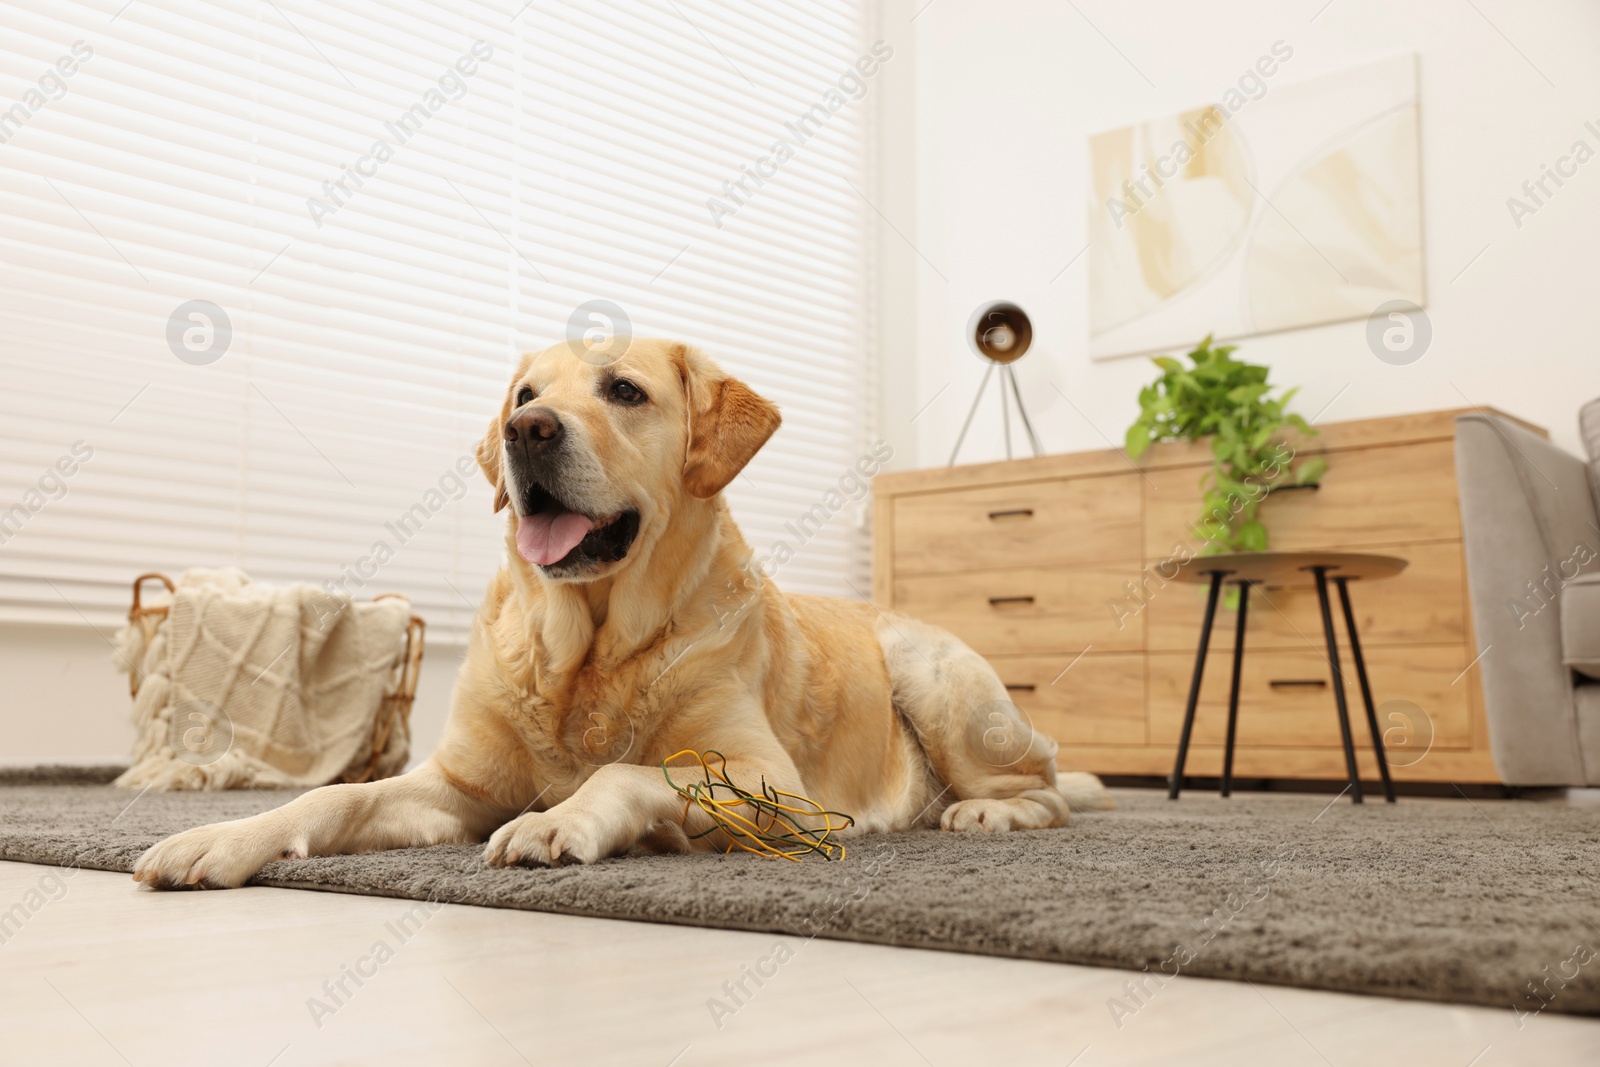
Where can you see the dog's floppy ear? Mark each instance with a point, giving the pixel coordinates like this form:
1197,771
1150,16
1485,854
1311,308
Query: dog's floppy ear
489,452
728,423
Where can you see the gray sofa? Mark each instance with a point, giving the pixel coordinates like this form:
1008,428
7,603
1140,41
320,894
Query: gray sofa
1532,535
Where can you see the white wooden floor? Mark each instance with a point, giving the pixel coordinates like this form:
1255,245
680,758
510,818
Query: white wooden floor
98,972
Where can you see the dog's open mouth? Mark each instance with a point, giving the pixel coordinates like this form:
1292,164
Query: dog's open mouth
552,535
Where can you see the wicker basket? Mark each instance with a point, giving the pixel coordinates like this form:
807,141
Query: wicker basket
395,708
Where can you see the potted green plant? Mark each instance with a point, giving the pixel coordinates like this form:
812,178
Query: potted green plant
1229,401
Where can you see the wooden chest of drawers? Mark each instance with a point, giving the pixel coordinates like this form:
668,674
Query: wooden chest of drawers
1052,569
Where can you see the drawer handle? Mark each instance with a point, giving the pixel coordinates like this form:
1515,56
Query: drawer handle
1298,683
1014,687
1313,486
1012,513
996,601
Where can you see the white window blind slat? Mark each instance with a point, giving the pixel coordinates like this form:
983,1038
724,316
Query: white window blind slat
368,352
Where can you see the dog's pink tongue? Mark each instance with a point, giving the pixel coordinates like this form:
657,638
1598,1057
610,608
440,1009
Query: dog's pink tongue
546,539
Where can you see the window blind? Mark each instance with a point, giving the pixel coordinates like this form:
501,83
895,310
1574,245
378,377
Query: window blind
265,269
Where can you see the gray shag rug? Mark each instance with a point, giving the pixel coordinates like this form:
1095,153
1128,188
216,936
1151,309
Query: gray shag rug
1483,902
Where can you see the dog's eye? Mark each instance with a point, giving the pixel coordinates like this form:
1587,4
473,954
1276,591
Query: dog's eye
625,392
524,396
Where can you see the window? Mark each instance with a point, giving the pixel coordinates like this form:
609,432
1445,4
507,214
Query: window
266,267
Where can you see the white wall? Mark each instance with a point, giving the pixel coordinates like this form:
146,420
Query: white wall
1006,94
60,699
894,197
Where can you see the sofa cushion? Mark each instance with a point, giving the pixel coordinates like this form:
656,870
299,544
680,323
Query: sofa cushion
1580,624
1589,429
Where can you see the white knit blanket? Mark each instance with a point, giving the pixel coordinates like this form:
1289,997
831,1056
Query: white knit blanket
250,685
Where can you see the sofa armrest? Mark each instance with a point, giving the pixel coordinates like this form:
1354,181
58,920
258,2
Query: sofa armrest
1526,516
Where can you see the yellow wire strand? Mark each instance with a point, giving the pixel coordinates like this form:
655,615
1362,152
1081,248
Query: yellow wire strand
748,834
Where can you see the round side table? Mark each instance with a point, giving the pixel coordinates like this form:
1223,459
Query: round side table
1287,570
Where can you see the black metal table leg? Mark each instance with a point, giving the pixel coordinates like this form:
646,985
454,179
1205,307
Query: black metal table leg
1321,574
1366,686
1194,685
1233,691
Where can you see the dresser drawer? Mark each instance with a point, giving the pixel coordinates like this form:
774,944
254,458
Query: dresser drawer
1028,524
1097,700
1369,496
1292,713
1425,604
1064,609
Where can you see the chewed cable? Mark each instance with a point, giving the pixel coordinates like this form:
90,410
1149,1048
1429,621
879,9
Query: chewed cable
766,823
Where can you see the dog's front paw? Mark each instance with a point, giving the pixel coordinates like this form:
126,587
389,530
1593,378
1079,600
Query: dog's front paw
979,815
221,856
547,838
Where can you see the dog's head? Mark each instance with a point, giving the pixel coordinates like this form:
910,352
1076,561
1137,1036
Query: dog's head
596,459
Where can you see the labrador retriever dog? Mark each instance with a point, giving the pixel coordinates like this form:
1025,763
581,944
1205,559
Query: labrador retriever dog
629,624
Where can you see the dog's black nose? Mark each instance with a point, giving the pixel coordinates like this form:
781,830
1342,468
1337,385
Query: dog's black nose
538,429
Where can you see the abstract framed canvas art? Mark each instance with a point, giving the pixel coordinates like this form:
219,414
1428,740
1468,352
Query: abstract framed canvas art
1281,206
